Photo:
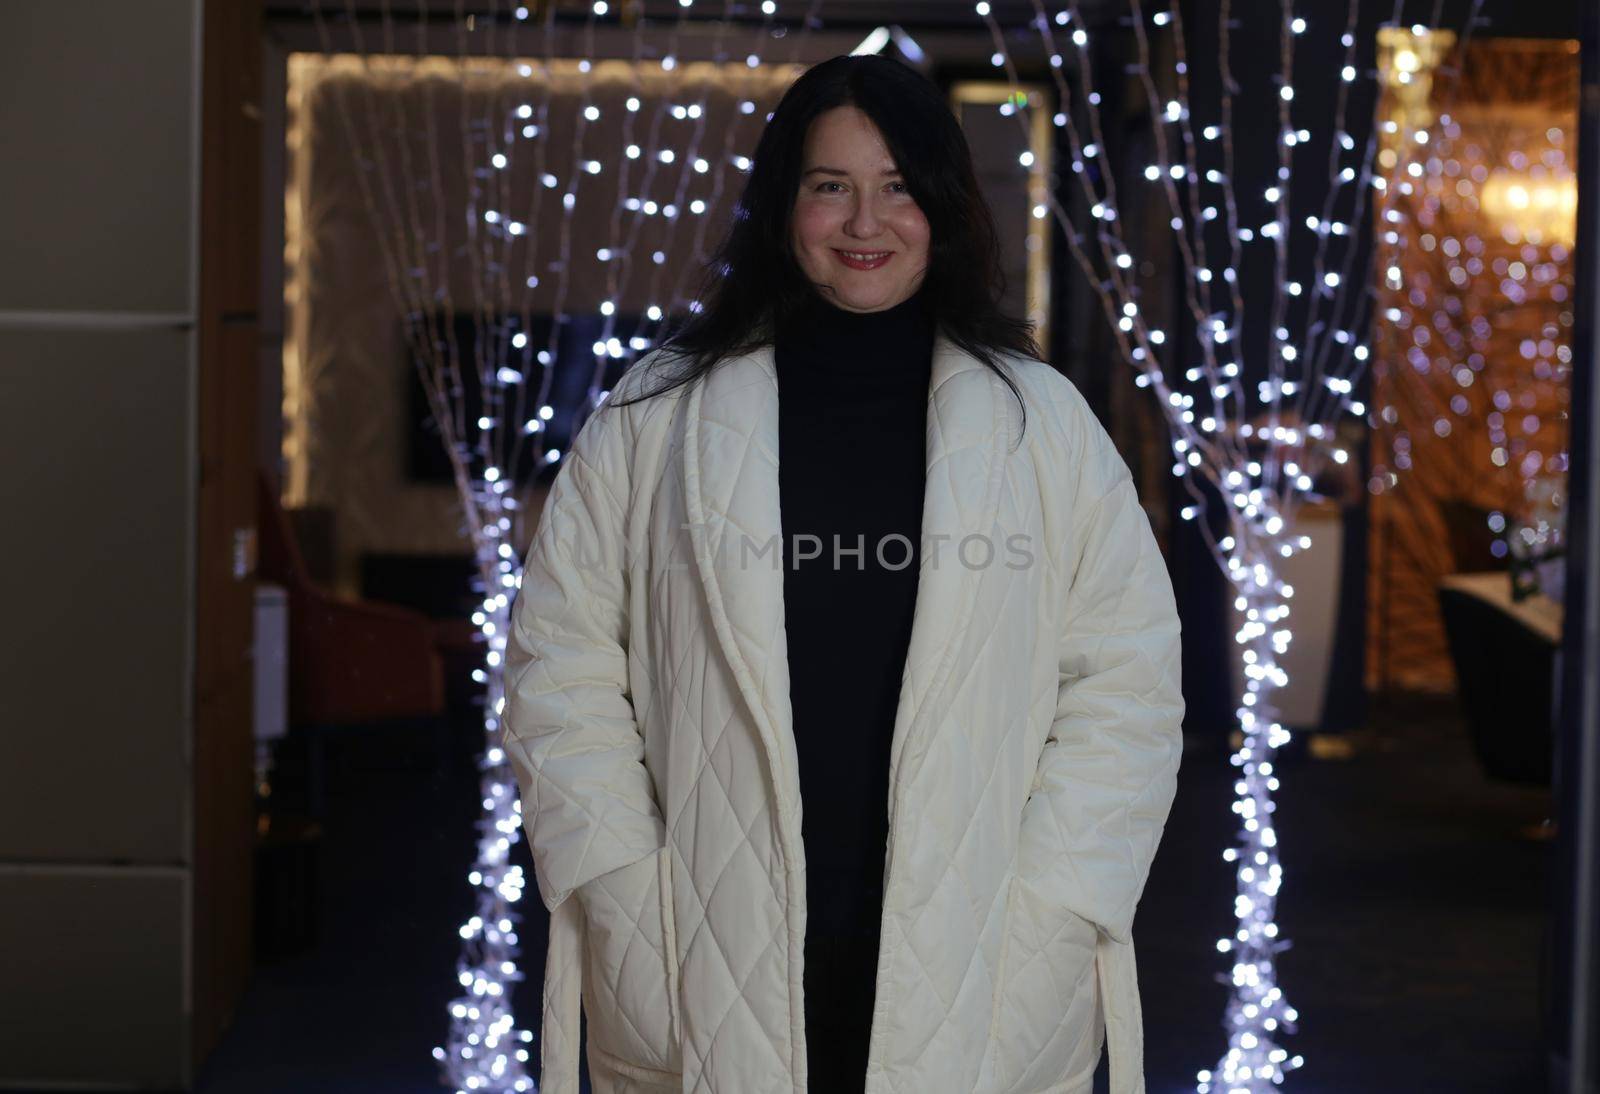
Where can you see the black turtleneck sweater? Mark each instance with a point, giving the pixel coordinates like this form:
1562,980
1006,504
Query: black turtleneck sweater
852,420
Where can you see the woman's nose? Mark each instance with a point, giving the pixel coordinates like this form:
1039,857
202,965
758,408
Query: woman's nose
863,220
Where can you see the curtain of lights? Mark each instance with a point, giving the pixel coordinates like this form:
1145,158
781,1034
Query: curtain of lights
551,214
1258,453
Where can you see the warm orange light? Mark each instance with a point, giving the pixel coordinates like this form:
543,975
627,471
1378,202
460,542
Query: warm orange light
1540,210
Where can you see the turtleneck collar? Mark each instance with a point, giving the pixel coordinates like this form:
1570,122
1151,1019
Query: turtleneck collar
826,341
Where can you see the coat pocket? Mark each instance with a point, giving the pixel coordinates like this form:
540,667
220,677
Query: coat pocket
630,981
1049,1023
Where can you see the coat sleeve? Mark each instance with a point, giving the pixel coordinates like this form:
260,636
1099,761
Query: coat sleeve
569,729
1108,770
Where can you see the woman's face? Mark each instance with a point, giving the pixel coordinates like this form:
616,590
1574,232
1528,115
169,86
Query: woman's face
852,201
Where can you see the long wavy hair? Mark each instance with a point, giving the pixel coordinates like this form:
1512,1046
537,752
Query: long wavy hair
754,283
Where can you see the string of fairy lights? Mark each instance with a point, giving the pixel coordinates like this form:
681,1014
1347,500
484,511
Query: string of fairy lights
1260,460
618,254
485,1049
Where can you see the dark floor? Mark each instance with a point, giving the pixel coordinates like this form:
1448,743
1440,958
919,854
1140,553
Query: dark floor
1413,901
363,1011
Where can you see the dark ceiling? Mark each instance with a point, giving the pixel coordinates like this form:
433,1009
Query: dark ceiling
1498,18
833,13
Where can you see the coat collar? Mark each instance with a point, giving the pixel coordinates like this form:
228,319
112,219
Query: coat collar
731,486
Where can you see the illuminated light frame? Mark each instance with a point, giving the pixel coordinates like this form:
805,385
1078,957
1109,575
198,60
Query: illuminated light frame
1037,160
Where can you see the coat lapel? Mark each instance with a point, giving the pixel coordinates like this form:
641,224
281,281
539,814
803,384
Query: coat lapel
731,487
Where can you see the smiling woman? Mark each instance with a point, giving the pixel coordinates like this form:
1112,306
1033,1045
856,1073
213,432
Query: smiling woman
854,215
861,191
879,821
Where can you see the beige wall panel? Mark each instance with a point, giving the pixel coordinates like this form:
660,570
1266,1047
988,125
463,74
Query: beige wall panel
91,978
96,122
96,438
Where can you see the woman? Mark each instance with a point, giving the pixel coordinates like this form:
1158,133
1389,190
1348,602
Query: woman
845,771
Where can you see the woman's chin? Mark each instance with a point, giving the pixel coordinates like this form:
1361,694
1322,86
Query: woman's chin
864,297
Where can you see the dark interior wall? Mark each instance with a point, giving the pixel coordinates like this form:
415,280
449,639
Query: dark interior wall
97,484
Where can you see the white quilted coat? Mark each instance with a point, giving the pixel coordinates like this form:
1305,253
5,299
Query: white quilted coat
1035,749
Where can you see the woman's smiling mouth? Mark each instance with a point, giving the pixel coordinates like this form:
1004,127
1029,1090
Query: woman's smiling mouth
863,260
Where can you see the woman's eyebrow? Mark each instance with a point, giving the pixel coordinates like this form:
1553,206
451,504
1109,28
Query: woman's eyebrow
887,171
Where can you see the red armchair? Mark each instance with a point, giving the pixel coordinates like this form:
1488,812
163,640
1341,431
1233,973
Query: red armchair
350,661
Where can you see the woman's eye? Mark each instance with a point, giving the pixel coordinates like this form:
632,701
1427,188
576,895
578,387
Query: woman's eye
899,187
